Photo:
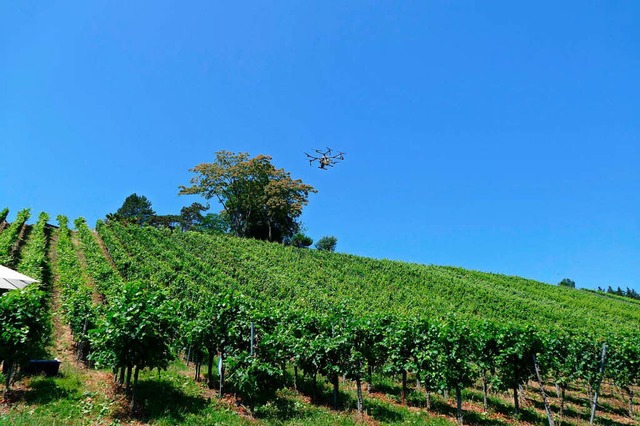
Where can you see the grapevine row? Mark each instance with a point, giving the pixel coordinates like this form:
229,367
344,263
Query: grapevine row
9,237
444,353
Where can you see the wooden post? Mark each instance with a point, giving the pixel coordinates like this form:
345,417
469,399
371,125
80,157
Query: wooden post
459,418
597,389
404,387
484,390
359,393
544,394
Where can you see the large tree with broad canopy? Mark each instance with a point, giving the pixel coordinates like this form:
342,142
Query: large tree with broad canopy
258,200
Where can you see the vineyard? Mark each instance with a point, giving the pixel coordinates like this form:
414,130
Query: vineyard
167,327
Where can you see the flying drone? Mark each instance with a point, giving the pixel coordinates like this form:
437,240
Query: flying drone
326,158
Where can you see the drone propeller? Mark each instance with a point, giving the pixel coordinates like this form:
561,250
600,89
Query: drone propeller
326,158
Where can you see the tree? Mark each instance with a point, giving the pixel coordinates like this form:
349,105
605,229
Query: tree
191,216
213,223
259,200
567,283
301,241
170,221
327,243
136,208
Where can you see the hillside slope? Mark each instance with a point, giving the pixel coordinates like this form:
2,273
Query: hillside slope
313,279
84,274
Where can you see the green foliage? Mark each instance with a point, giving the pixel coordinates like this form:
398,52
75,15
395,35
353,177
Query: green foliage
79,310
516,347
191,216
24,316
3,214
259,200
560,357
169,221
327,243
399,342
624,365
9,237
24,327
136,331
252,377
136,209
98,267
338,315
566,282
458,353
300,240
214,223
34,262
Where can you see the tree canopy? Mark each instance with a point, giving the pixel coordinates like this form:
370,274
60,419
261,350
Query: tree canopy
191,216
301,240
566,282
258,200
136,208
327,243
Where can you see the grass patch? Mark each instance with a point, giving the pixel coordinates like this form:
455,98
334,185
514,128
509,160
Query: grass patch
57,401
170,398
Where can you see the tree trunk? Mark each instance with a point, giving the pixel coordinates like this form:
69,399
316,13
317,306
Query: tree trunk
370,378
315,385
196,373
359,393
210,369
134,401
485,405
123,370
8,373
459,405
630,395
563,389
128,387
428,392
516,401
336,384
295,378
403,397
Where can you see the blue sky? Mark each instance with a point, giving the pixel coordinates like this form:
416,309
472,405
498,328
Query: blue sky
497,136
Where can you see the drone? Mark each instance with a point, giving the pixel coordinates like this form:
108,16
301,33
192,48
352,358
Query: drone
326,158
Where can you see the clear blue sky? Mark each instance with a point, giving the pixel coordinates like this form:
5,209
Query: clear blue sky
497,136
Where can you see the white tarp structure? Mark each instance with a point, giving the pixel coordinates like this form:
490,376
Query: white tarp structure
12,280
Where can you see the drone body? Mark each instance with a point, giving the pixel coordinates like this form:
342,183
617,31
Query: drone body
326,158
